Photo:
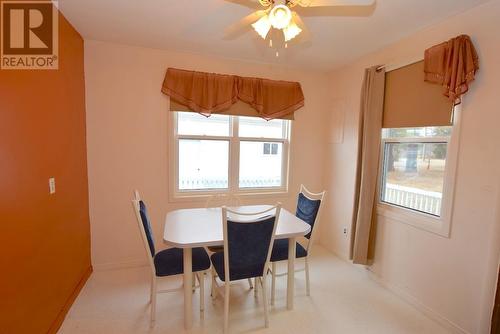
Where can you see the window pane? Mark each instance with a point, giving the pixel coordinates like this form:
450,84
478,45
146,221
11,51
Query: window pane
203,164
413,175
274,148
260,128
425,132
190,123
259,169
267,148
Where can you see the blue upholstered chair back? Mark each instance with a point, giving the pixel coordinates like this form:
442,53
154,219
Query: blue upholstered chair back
307,210
248,247
147,227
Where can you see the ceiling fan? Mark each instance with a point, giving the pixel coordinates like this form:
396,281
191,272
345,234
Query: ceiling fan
280,15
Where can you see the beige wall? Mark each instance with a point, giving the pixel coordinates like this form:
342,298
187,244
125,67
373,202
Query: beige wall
127,139
450,278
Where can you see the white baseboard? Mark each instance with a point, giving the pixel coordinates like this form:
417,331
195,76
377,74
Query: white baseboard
402,293
119,265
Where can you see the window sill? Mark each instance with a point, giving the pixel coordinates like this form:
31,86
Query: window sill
203,196
422,221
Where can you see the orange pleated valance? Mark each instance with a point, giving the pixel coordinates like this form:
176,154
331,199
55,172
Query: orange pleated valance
208,93
453,65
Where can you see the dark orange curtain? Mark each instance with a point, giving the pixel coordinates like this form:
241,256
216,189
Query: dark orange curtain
208,93
271,99
205,93
453,65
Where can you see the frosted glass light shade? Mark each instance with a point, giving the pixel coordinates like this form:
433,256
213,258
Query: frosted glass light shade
291,31
262,26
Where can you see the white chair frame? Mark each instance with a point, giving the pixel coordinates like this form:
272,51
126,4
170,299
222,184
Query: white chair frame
312,196
200,276
224,289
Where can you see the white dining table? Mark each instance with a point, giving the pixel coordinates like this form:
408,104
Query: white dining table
201,227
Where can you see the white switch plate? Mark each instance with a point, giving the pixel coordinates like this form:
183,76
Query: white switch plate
52,185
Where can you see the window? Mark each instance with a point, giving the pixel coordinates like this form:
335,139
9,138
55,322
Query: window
419,151
413,169
229,153
270,148
417,175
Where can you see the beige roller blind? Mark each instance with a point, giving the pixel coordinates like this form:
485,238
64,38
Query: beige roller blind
238,109
412,102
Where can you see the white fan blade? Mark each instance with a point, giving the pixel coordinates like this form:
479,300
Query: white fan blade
243,25
331,3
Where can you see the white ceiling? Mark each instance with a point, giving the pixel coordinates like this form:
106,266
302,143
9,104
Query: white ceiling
198,26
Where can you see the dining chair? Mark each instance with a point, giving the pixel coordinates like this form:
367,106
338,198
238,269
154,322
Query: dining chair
219,200
248,237
167,262
308,209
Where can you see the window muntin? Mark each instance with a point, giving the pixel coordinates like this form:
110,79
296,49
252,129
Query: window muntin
413,168
226,153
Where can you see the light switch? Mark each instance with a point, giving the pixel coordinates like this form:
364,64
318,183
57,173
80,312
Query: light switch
52,185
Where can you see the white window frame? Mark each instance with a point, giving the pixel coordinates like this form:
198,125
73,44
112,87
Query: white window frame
438,225
175,194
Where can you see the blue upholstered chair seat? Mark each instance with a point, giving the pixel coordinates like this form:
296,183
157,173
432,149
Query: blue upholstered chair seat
170,262
236,273
280,250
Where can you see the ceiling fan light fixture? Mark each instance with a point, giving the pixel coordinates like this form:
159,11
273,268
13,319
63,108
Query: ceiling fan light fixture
280,16
262,26
291,31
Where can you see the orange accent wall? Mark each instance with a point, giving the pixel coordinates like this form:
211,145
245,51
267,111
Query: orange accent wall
44,239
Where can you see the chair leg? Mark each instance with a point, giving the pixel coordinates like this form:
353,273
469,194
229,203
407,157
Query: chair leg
273,282
226,306
213,293
308,289
193,283
263,283
256,287
201,280
151,288
153,302
250,283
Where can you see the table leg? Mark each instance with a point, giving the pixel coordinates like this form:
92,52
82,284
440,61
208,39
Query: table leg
188,293
291,274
